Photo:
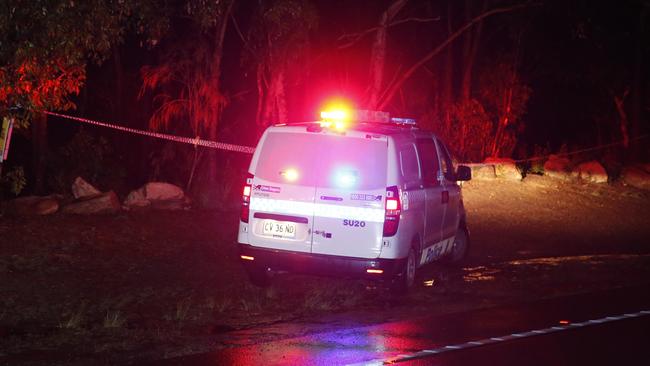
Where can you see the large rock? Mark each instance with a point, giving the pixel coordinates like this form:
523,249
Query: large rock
34,205
558,167
157,195
137,199
591,171
505,168
160,191
636,176
83,189
105,203
482,171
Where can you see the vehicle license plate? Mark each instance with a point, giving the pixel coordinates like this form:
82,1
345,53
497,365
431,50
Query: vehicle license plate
280,228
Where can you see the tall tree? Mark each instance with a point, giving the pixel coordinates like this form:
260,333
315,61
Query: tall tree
188,80
378,52
277,44
45,46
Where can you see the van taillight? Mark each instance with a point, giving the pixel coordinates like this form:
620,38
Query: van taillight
246,198
392,212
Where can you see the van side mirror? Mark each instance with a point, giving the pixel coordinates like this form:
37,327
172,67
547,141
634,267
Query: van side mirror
463,173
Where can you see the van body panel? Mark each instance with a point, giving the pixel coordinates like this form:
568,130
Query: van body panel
318,199
350,195
276,209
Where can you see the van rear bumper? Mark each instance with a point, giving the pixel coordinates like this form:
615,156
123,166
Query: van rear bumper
320,264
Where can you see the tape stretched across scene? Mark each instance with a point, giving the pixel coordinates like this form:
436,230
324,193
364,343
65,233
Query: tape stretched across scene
187,140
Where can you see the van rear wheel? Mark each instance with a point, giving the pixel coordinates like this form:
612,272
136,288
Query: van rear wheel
405,280
258,276
459,247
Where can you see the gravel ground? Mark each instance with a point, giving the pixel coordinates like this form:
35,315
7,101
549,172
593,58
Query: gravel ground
140,286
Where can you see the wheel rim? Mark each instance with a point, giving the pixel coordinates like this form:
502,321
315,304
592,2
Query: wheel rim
459,245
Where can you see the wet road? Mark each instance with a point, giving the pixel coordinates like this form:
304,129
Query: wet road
611,327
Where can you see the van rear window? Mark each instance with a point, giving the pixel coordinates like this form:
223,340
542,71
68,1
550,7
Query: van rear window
329,161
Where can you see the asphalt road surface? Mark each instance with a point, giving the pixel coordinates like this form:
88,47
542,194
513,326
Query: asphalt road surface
603,328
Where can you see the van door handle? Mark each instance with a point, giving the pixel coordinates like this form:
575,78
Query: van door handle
445,197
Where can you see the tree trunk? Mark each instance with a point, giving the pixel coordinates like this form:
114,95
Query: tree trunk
623,123
280,97
118,113
448,71
637,89
472,40
504,118
378,53
39,151
212,161
260,97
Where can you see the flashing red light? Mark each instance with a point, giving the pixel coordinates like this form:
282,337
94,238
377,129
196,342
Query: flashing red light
392,212
564,322
247,257
374,271
246,198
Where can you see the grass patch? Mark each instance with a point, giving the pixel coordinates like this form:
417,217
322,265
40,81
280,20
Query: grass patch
75,319
114,319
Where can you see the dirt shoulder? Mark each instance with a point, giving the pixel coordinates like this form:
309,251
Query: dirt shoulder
136,286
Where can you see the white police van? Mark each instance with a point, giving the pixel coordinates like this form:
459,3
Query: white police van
366,196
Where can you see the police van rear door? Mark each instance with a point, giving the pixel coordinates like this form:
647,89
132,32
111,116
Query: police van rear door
283,190
349,200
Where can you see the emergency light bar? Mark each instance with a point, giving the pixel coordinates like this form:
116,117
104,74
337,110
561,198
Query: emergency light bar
336,117
404,121
363,115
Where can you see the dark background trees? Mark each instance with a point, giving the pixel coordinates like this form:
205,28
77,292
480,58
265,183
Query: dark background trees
493,78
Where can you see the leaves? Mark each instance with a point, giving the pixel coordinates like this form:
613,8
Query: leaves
45,45
15,179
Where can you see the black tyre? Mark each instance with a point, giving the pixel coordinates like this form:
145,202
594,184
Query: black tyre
259,276
460,247
405,280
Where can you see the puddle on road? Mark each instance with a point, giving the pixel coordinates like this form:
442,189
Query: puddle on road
545,274
591,259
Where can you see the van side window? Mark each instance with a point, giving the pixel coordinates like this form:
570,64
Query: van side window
409,163
428,161
445,161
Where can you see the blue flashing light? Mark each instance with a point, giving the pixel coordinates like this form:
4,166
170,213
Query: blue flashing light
346,178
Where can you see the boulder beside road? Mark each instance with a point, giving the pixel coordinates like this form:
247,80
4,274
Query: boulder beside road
558,167
161,191
591,171
157,195
104,203
83,189
34,205
505,168
636,176
482,171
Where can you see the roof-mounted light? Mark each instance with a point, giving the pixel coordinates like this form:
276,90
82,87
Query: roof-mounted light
335,115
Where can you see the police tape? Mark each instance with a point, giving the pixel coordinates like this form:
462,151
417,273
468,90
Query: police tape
250,150
187,140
